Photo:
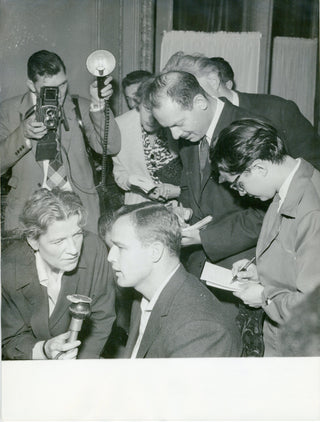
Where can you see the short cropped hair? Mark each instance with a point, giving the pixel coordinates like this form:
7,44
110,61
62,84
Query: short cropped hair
226,73
154,222
243,142
180,87
44,207
197,64
135,77
44,62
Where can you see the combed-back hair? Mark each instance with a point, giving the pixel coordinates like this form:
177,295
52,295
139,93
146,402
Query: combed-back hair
243,142
44,62
180,87
224,68
135,77
44,207
152,223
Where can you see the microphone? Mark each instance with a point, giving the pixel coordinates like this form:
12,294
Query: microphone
101,63
80,308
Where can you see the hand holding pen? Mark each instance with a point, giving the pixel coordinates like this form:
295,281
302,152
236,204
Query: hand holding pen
243,268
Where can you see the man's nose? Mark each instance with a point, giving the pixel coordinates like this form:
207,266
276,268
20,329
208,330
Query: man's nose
176,133
72,247
111,254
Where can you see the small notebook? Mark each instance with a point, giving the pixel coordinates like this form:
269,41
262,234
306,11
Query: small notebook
219,277
199,224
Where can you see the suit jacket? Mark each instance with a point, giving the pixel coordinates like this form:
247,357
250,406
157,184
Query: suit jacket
27,173
299,135
131,158
288,251
236,223
186,321
25,309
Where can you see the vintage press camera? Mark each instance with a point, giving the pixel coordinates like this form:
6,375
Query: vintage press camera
48,111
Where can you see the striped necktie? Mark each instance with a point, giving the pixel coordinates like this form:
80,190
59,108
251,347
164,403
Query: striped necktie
203,154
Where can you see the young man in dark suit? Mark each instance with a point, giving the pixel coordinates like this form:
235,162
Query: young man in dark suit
176,315
179,103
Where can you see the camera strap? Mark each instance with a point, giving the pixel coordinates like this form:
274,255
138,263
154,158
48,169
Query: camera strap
75,100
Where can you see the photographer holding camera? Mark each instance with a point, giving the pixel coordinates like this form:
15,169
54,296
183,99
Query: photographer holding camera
41,137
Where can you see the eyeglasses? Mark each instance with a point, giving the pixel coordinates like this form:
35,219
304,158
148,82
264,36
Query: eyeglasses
236,185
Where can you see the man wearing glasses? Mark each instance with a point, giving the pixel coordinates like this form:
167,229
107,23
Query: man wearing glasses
252,158
23,135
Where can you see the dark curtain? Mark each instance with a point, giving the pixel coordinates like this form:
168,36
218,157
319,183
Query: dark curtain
291,18
296,18
211,15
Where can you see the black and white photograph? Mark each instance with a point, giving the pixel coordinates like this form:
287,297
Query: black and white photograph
160,210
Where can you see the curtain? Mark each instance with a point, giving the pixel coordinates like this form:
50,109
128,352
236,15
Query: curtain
241,50
293,73
212,15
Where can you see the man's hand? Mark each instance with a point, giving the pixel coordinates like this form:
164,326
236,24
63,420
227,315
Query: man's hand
250,274
164,192
251,294
106,92
190,237
58,344
33,129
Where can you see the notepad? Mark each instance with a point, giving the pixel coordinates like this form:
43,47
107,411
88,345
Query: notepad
199,224
219,277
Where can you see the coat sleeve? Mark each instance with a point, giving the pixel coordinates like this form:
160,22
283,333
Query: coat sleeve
17,337
97,329
94,125
12,142
234,233
201,339
307,270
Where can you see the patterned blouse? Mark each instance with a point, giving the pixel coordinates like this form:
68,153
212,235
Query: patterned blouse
156,152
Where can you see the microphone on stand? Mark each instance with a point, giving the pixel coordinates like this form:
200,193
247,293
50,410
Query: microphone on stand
80,309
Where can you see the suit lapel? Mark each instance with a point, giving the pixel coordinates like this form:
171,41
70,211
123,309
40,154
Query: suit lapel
30,287
134,328
160,311
270,228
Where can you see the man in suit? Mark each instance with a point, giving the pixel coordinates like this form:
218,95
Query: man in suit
214,75
179,103
176,315
56,259
251,157
22,137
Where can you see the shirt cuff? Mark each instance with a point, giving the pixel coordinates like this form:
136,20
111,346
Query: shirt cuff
94,107
37,351
27,142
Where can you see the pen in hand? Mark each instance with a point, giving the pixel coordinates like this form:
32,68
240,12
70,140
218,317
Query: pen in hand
244,268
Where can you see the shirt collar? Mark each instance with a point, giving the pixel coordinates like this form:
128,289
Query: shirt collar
286,184
213,124
146,305
235,98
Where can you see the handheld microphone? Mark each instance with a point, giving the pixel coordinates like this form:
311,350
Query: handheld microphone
101,63
80,308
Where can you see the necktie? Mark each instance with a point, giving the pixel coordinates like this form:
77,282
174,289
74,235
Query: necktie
56,172
203,154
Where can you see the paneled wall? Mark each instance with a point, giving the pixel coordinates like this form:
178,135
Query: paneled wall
73,29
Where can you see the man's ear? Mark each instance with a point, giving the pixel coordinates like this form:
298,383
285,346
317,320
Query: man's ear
156,251
200,101
260,166
31,86
229,84
34,243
